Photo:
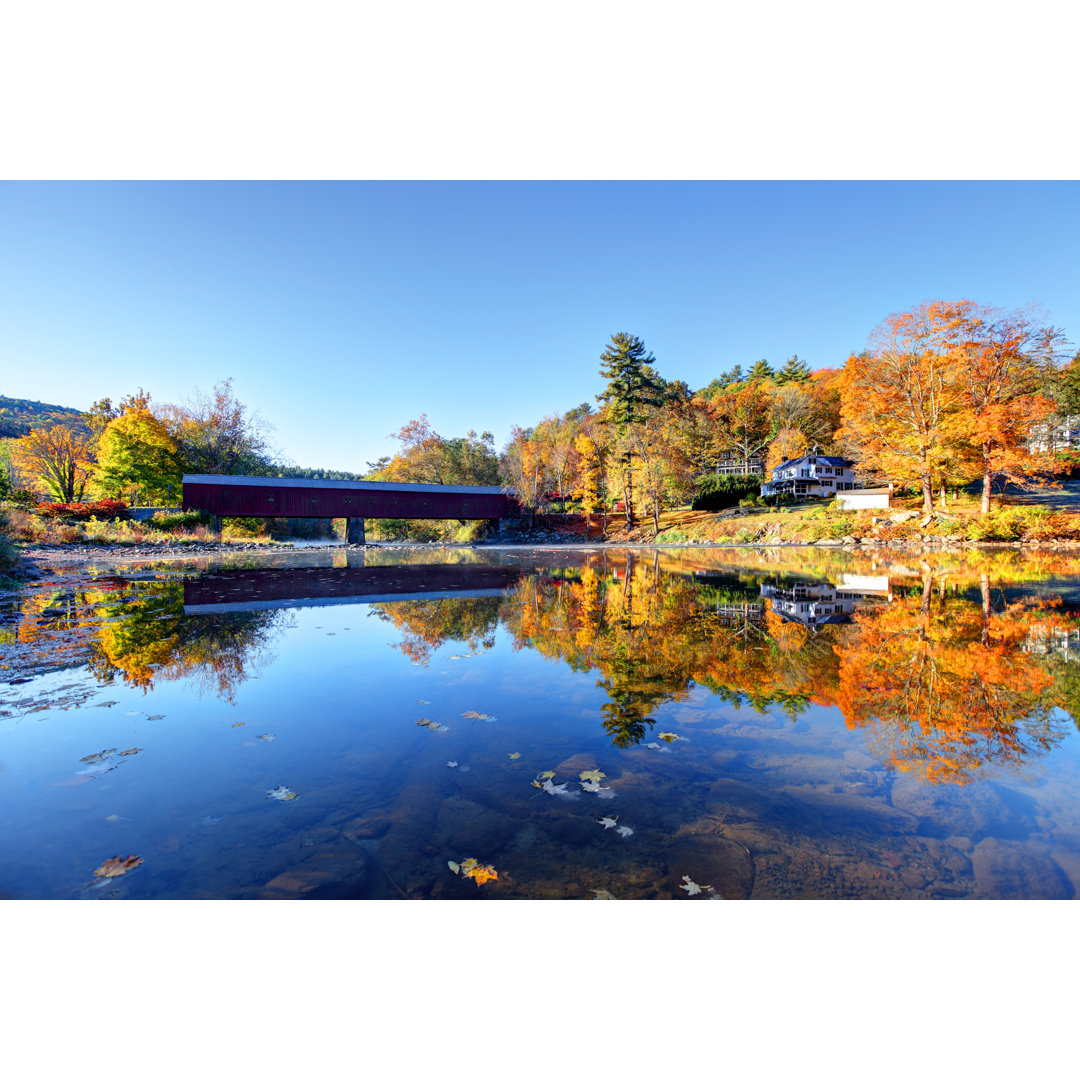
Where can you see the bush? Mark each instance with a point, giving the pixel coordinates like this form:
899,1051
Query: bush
1013,523
720,492
168,520
242,528
113,509
27,500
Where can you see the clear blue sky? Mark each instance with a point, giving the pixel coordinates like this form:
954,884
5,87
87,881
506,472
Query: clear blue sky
343,310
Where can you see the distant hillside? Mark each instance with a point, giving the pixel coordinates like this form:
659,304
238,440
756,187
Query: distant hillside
19,416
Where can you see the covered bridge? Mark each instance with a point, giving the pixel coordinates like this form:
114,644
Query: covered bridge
275,496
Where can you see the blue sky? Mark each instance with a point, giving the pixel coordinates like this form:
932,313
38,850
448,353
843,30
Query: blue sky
344,309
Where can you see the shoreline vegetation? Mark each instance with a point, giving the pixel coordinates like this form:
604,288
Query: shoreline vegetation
810,525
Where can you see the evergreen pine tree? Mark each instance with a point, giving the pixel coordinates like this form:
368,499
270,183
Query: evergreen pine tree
761,370
632,388
793,371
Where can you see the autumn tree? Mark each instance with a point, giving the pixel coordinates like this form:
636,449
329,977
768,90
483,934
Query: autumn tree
789,443
1000,376
58,458
631,389
898,394
217,433
590,483
137,458
744,421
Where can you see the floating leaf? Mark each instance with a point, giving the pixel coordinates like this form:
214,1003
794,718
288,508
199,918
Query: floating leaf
101,755
603,894
454,866
157,716
468,865
425,722
452,764
607,822
473,715
514,756
267,737
668,736
624,831
593,788
112,819
133,750
546,776
116,866
282,794
692,887
98,769
593,775
558,789
537,784
483,873
104,704
239,723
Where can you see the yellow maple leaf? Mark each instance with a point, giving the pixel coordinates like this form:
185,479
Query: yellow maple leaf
514,756
116,866
668,736
593,774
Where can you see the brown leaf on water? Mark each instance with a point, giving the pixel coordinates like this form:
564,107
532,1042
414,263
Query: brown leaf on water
133,750
101,755
116,866
480,874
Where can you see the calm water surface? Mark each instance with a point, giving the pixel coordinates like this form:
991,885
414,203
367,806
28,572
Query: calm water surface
750,725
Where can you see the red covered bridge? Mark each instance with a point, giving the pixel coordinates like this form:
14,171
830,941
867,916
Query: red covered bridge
273,496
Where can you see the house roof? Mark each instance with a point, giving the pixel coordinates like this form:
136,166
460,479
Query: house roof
819,459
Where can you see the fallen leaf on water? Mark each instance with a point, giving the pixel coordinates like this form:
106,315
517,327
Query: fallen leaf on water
514,756
282,794
603,894
157,716
104,704
668,736
101,755
692,887
452,764
594,775
425,722
480,874
473,715
625,830
97,770
239,723
133,750
454,866
537,784
593,788
468,865
607,822
116,866
558,789
266,737
112,819
546,776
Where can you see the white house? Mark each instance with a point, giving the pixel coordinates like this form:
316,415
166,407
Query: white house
815,603
812,474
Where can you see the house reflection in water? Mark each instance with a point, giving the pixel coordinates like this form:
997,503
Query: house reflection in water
817,603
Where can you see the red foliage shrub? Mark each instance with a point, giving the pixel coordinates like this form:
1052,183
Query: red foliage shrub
79,511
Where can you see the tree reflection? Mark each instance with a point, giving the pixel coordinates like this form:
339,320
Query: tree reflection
946,685
947,678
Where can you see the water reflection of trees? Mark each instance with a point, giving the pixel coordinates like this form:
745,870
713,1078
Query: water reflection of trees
947,685
137,632
948,679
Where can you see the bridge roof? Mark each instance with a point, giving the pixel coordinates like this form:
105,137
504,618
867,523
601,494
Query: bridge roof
339,485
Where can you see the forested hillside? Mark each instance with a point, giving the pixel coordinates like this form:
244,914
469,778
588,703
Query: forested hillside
19,416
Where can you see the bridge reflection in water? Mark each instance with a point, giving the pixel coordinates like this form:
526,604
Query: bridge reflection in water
262,590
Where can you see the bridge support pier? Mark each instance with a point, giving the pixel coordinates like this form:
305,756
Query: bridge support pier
354,531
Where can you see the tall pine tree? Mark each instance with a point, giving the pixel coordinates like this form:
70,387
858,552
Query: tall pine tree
761,370
793,371
632,389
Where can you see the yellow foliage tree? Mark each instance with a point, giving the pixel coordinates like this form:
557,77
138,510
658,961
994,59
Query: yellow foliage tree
58,458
